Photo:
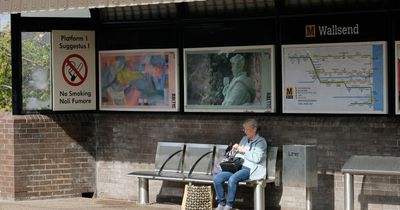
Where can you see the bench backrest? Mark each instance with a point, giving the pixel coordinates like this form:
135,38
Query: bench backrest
198,158
271,162
169,157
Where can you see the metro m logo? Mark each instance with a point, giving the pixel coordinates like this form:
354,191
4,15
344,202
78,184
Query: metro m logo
289,93
310,31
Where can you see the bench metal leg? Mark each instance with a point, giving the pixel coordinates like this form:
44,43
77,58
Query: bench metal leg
259,197
348,191
143,190
309,198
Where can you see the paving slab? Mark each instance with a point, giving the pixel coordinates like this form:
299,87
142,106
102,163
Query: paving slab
82,204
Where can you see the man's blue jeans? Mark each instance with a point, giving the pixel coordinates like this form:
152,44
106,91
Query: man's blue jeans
233,180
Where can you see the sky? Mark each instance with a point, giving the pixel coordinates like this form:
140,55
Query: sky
4,19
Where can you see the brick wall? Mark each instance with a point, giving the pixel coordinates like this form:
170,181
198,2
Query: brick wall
64,155
6,157
127,142
54,156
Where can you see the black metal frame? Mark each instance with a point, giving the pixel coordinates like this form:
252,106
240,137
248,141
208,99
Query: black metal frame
27,24
16,64
215,25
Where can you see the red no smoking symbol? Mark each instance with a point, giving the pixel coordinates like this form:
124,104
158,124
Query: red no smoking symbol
74,70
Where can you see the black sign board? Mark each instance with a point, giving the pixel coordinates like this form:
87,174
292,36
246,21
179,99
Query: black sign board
252,32
335,28
396,23
124,37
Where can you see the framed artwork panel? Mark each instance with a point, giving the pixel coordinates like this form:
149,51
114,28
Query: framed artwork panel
229,79
397,86
139,80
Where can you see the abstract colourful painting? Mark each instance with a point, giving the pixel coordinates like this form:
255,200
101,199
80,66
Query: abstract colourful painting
138,80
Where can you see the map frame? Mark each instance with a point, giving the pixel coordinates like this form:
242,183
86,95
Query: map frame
340,44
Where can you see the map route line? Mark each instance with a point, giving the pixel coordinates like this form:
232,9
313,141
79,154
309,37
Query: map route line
339,82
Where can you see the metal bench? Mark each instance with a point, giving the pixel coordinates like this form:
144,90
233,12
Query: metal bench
168,165
366,165
194,163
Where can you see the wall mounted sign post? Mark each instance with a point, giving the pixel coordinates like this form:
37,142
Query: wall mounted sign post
74,81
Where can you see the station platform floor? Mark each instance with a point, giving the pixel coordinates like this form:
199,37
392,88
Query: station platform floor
83,204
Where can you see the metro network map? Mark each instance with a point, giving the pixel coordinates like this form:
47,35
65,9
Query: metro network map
334,78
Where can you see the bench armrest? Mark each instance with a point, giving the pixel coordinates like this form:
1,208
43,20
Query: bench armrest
278,177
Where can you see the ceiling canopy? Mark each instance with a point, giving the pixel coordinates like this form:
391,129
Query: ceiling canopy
20,6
